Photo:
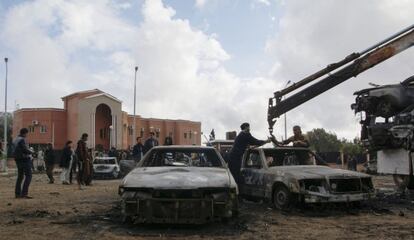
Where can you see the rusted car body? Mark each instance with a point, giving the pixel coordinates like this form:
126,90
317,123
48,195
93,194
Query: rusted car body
285,175
179,184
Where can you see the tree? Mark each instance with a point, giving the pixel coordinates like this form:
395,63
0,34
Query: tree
322,141
352,147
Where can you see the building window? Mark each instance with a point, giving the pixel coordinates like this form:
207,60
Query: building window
185,135
31,129
43,129
142,132
101,133
130,130
191,134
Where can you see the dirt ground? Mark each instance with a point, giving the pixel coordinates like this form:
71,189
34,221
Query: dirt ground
63,212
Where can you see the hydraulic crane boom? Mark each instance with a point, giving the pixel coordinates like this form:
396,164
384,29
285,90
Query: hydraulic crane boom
347,68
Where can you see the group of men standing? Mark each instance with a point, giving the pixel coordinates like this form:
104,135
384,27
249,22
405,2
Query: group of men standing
79,159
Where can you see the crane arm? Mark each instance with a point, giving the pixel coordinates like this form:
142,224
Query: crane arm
349,67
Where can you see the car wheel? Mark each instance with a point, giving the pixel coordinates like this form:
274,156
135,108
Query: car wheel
282,197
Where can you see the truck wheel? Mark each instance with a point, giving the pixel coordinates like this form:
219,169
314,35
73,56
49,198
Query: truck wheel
282,197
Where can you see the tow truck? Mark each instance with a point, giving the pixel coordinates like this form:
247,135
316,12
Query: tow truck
393,139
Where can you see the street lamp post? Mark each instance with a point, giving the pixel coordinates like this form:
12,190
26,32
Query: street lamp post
5,121
135,98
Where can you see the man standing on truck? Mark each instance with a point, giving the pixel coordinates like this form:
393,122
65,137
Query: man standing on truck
241,143
298,139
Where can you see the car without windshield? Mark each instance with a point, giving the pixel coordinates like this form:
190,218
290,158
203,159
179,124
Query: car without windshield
179,184
286,175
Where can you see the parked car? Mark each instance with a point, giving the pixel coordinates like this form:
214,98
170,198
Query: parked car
285,175
126,166
179,184
105,167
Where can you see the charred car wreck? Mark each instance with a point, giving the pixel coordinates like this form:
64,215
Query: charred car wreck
176,184
388,114
286,175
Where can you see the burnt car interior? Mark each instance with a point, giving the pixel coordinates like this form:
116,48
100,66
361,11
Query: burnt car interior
183,158
287,157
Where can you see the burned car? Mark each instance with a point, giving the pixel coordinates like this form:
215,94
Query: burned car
179,184
287,175
388,114
105,167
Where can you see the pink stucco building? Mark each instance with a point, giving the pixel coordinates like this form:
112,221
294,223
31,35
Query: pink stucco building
100,115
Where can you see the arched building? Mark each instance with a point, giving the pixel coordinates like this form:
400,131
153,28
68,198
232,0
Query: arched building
100,115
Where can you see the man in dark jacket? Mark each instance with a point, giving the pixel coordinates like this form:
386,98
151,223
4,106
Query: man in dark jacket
241,143
22,156
137,150
150,142
50,162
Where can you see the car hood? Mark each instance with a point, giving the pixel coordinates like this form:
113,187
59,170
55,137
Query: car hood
312,172
177,178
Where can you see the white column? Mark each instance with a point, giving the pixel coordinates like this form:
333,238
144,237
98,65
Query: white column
92,137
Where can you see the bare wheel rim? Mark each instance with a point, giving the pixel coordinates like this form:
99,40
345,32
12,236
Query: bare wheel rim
280,197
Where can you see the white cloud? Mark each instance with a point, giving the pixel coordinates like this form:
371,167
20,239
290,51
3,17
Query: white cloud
181,73
200,3
264,2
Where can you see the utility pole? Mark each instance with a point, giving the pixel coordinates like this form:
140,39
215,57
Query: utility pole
5,121
135,101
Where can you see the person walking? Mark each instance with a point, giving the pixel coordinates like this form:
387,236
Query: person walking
241,143
50,162
137,150
150,142
22,156
84,162
66,163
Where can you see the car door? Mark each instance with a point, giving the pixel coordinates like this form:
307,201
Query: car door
252,174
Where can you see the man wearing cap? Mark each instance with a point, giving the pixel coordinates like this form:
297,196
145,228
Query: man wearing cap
241,143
